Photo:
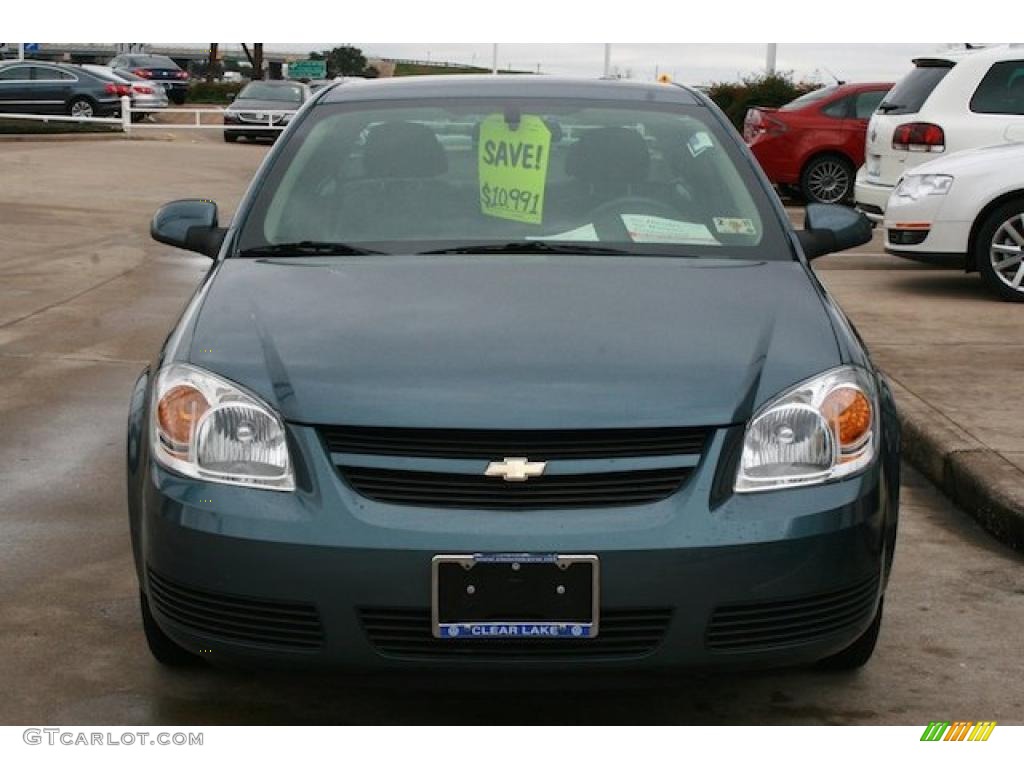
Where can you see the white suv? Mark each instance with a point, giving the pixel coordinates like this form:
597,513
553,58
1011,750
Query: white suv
947,103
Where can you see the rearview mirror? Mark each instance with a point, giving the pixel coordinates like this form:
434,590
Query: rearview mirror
832,228
189,224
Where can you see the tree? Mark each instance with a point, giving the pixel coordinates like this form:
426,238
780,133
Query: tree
212,64
757,91
255,59
345,60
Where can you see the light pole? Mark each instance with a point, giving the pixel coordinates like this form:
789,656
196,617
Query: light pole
494,59
769,55
607,59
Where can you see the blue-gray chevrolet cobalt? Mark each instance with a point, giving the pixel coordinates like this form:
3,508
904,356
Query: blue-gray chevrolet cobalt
511,374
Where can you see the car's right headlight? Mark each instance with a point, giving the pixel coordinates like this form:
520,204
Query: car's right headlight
916,186
820,430
205,427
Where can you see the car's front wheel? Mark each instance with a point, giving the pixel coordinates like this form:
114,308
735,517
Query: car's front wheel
163,648
856,655
230,137
827,179
999,250
80,106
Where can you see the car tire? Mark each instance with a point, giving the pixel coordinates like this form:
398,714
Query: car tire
163,648
827,179
230,137
81,106
857,654
1000,235
177,98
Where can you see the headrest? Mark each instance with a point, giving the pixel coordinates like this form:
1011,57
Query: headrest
609,155
403,150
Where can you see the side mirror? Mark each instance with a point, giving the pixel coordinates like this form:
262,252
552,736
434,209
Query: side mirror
831,228
189,224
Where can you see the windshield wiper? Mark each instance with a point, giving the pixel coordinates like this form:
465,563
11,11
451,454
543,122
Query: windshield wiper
534,246
308,248
885,106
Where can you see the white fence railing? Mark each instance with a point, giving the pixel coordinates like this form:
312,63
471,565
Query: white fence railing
127,125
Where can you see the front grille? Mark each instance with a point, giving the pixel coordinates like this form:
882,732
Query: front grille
405,633
443,489
256,117
767,625
538,445
234,618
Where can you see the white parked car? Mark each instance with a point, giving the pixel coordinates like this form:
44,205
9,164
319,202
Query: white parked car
947,103
965,209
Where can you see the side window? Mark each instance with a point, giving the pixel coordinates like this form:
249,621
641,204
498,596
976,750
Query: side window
15,73
867,102
48,73
1001,91
840,108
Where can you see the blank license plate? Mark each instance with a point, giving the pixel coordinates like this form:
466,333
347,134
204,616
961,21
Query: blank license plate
517,596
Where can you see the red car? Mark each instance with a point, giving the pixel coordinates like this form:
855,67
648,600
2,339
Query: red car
815,144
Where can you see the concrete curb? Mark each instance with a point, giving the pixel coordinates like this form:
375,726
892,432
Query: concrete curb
980,481
47,138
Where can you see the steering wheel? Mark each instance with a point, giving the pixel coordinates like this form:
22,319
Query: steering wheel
607,217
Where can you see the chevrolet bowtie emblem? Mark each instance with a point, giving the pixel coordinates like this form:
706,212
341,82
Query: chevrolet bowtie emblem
515,469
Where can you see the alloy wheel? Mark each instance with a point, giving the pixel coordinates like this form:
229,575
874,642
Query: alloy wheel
828,182
81,108
1006,252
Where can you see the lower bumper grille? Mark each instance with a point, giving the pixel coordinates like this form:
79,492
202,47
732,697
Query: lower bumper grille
436,489
767,625
239,619
406,633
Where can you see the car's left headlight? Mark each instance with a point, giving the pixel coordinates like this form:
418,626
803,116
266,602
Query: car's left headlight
205,427
820,430
917,186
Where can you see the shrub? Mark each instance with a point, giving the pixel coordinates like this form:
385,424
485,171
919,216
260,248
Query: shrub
757,91
201,92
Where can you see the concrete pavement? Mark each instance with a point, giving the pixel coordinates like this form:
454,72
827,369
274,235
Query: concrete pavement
957,369
86,298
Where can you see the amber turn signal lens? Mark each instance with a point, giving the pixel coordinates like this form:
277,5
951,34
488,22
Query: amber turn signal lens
178,411
850,410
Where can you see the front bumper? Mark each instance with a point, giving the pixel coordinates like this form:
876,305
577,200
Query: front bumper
917,229
356,573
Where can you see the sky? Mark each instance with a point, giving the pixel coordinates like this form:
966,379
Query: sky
692,63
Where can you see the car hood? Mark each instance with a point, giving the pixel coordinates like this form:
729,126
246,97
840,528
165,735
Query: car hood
1000,158
248,105
512,341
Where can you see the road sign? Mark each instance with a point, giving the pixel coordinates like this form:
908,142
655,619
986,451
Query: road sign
31,47
307,69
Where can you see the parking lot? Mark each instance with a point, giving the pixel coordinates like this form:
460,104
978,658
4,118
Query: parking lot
86,298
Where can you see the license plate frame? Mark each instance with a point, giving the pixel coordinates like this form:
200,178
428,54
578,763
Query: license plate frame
578,621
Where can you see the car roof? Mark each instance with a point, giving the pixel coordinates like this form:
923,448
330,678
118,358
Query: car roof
508,86
988,53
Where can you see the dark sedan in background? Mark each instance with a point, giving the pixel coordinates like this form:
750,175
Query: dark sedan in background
261,105
562,394
42,87
159,69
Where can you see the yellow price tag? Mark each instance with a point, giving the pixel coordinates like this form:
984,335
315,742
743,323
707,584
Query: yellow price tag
513,168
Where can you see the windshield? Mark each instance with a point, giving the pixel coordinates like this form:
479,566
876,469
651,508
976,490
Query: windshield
913,90
412,177
809,98
266,92
160,62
